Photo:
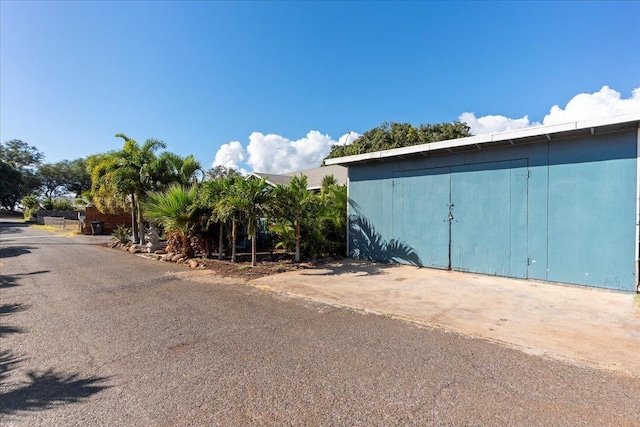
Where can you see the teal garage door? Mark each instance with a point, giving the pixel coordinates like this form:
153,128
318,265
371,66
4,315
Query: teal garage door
420,210
468,217
489,225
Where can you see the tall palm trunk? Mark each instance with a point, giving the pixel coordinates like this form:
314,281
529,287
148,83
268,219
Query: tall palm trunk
134,225
221,241
297,241
253,250
140,224
233,239
187,250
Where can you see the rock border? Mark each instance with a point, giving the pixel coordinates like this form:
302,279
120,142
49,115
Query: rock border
159,255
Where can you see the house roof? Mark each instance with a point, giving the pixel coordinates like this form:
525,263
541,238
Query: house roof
314,176
522,136
272,179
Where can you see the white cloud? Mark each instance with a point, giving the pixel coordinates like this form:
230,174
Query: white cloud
493,124
606,102
230,155
348,138
272,153
276,154
584,106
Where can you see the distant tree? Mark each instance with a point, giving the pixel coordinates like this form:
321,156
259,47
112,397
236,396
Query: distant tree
10,185
30,182
24,159
52,178
20,155
221,172
60,179
391,135
77,177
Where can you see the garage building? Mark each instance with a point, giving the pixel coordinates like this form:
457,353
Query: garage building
557,203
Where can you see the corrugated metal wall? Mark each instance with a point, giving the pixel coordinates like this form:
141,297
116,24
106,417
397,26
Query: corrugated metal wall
559,211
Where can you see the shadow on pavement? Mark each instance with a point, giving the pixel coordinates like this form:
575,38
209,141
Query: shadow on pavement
44,389
8,360
48,389
9,227
8,330
14,251
352,266
10,281
6,309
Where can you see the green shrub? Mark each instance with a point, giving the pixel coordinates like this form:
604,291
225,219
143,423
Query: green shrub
63,205
29,213
286,235
58,204
29,206
48,204
122,234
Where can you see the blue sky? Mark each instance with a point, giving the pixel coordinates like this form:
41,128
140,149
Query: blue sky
200,75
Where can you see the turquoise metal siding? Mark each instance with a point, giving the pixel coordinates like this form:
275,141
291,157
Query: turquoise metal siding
559,211
592,212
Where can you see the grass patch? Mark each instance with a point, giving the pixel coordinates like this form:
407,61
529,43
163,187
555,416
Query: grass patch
54,230
244,267
637,300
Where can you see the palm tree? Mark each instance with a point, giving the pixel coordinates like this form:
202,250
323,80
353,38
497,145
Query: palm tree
294,203
332,217
110,190
251,197
334,200
175,209
170,168
123,175
212,197
134,163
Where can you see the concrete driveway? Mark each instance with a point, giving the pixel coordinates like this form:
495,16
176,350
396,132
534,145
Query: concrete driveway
586,326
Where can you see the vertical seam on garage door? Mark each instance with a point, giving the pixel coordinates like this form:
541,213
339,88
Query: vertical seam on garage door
546,255
637,248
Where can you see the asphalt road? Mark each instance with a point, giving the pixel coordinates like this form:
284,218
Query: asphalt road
92,336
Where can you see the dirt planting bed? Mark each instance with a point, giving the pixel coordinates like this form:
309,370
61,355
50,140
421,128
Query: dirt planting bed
268,263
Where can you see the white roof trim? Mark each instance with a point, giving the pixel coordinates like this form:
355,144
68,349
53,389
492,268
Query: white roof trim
478,141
